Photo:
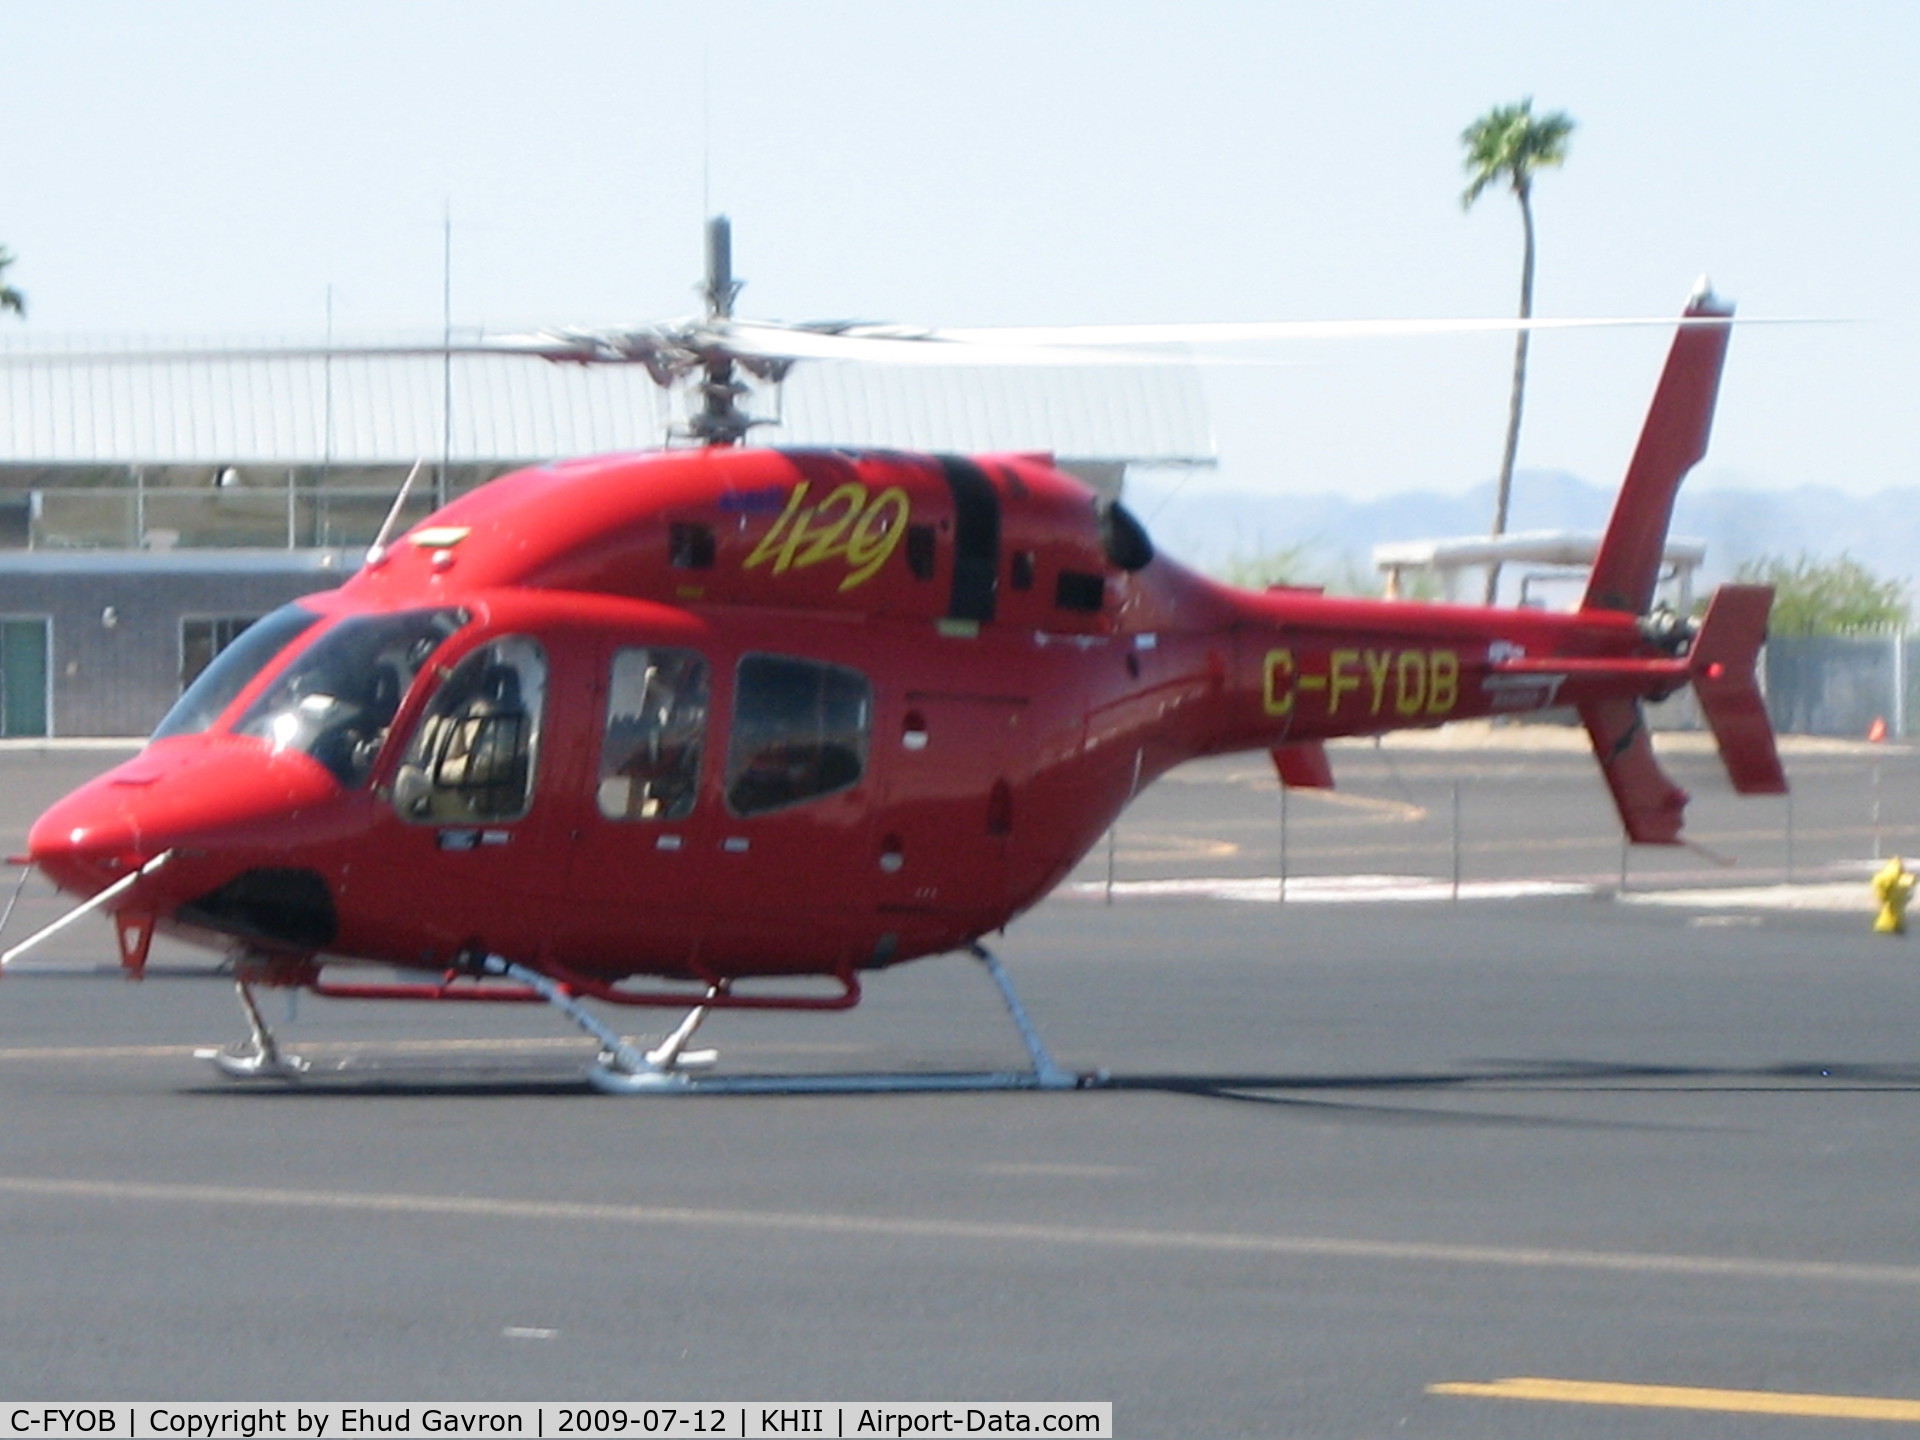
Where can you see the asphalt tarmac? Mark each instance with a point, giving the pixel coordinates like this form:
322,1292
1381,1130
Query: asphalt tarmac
1356,1161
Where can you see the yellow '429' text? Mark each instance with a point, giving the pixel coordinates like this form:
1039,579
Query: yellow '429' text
849,525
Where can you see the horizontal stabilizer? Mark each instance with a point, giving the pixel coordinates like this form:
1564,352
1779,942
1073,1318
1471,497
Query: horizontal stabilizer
1651,806
1303,765
1723,665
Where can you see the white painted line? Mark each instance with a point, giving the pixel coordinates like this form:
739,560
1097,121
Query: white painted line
1002,1232
1331,889
1833,896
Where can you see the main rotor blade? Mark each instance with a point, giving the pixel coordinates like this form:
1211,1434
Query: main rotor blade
894,345
1253,332
679,344
1155,344
555,347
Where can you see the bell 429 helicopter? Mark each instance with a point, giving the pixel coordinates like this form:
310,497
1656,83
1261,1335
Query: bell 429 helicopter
729,727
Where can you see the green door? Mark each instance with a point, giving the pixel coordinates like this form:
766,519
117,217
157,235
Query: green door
23,677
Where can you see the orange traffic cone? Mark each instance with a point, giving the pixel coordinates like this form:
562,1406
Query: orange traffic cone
1877,731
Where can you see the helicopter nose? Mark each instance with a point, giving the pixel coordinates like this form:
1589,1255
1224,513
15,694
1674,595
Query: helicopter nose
192,794
87,840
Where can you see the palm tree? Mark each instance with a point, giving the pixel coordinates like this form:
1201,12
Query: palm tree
10,298
1509,143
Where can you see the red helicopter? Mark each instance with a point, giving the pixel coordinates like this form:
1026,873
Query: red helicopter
727,727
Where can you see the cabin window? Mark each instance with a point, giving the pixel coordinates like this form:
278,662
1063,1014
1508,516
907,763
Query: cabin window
233,669
204,637
472,758
1077,590
656,723
922,551
690,546
337,699
1124,538
800,731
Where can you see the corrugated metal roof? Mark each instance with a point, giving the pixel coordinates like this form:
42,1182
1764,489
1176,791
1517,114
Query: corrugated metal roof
244,407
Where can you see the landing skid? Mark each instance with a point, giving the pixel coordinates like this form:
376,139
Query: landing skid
264,1060
664,1070
905,1082
670,1067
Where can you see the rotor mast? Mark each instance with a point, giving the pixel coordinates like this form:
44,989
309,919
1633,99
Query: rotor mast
720,420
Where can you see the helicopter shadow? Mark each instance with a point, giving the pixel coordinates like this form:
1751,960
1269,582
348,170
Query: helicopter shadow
1360,1095
1343,1094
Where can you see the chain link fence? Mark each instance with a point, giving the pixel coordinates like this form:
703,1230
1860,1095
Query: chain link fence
1842,685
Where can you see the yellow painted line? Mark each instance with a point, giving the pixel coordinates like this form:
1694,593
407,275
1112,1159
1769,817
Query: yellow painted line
1684,1397
1141,846
1375,806
911,1227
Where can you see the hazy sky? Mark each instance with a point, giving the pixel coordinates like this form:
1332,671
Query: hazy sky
208,168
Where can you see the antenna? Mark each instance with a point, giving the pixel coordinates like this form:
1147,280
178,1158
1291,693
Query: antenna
326,437
446,356
377,551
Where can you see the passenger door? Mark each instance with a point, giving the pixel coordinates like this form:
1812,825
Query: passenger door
791,858
636,883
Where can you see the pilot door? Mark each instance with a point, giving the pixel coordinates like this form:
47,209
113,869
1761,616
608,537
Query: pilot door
472,801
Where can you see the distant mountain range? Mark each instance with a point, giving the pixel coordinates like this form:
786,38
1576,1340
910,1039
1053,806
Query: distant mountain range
1212,528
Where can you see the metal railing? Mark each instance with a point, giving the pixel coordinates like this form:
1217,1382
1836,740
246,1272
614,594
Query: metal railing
294,517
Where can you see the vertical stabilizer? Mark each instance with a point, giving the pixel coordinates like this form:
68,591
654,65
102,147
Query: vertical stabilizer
1723,661
1651,806
1671,443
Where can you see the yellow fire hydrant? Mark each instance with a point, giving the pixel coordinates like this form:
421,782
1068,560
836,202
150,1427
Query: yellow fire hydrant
1892,889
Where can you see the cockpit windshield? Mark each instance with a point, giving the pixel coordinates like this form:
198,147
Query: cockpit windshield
336,701
232,669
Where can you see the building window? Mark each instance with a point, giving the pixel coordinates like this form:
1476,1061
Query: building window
203,638
800,731
656,726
